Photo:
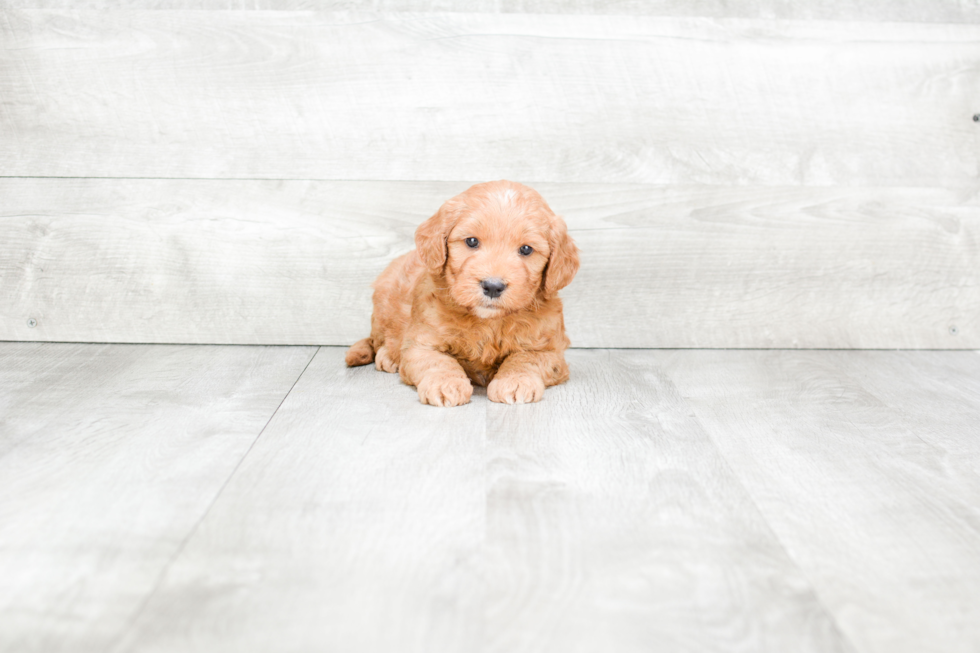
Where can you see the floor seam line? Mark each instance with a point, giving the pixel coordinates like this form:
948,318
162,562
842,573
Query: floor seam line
190,533
845,639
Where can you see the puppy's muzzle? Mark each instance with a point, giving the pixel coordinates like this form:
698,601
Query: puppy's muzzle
493,287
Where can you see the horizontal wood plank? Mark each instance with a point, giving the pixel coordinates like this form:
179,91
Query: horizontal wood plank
436,96
109,456
929,11
253,262
854,460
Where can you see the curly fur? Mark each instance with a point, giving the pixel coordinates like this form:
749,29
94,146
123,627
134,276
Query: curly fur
433,323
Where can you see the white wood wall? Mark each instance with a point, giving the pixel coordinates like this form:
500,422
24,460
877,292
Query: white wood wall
760,176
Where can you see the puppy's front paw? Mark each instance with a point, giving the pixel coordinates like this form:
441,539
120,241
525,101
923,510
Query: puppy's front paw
384,362
523,389
445,390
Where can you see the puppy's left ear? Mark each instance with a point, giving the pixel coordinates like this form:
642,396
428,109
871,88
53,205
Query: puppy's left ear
563,262
430,237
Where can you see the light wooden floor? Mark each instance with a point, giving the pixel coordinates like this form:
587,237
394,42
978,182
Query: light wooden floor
213,498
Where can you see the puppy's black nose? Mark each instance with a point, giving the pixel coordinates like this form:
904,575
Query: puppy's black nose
493,287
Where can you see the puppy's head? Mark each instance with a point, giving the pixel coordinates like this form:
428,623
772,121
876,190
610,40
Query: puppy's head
498,246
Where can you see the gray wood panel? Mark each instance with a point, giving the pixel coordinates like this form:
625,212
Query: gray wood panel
290,262
613,524
929,11
109,455
854,461
355,524
436,96
364,521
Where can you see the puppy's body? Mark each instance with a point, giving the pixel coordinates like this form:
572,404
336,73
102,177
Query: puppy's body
476,301
479,345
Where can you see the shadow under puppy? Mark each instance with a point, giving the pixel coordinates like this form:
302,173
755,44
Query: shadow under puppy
476,300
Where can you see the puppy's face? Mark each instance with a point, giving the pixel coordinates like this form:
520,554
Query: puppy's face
496,255
498,245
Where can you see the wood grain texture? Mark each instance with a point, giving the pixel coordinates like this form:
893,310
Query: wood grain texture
436,96
935,395
927,11
613,524
291,262
683,501
866,474
364,521
109,455
355,524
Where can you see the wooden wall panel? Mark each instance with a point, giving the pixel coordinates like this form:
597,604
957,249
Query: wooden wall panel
927,11
435,96
291,262
759,175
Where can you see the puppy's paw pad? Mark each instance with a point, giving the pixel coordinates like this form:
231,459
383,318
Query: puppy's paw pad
446,391
384,362
525,389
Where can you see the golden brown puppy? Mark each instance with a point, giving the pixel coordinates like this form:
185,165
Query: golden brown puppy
476,300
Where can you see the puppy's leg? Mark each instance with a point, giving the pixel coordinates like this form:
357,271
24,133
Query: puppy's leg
360,353
522,376
439,379
384,361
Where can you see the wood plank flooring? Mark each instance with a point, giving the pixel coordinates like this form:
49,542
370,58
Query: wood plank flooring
612,519
870,501
109,455
176,498
355,524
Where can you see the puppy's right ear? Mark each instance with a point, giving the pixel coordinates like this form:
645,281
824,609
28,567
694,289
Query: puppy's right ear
431,236
563,263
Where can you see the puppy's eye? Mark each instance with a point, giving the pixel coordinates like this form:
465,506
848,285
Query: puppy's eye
526,250
472,242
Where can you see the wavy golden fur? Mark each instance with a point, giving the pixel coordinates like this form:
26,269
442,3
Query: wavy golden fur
476,300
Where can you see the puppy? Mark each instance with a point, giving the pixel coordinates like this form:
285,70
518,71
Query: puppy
476,300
